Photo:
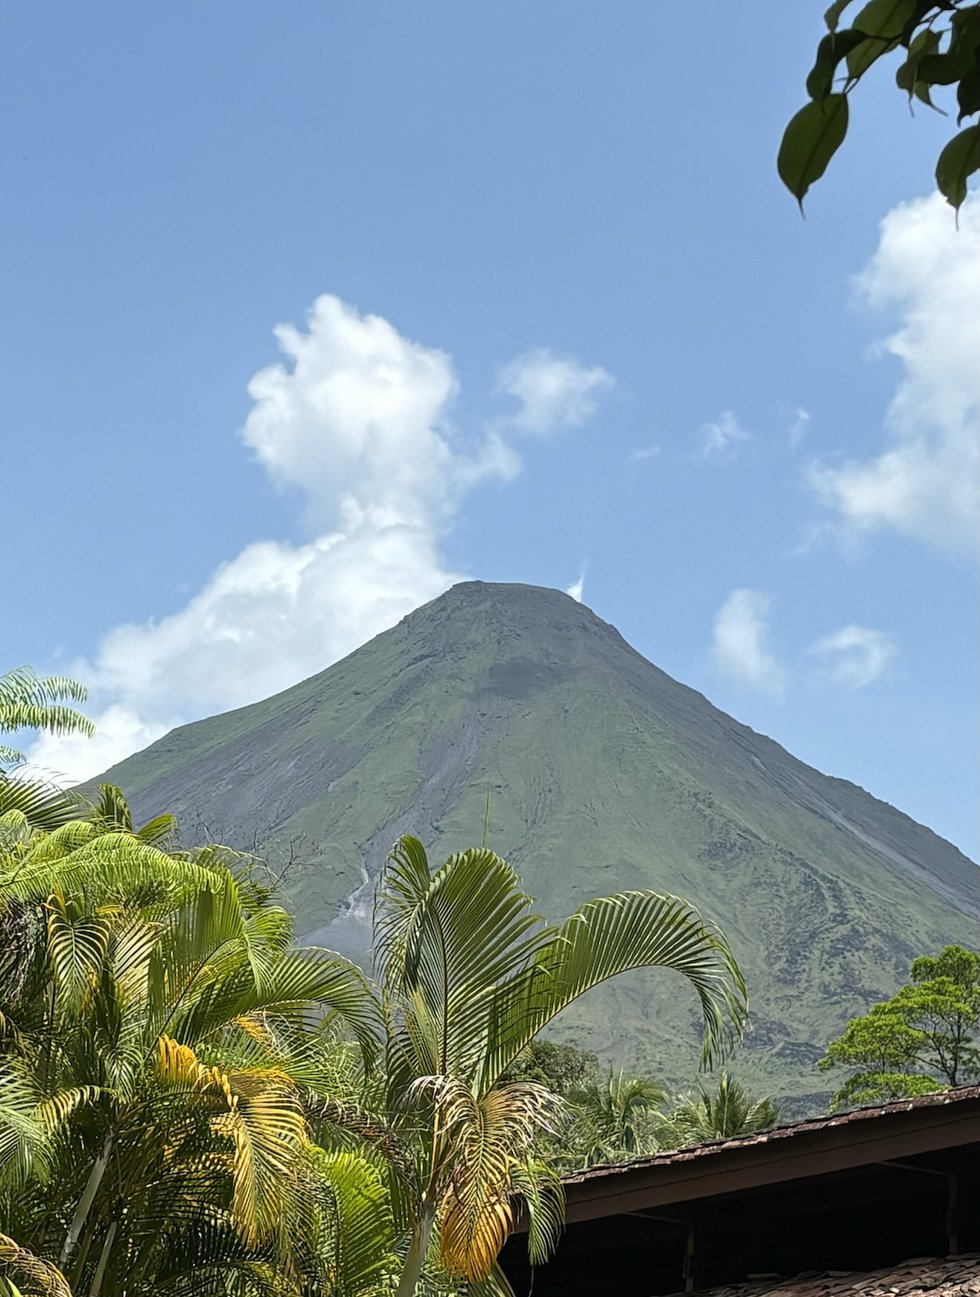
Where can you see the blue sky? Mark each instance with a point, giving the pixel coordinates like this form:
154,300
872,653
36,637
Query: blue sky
547,313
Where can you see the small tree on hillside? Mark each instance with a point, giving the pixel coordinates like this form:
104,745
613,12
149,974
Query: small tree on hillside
922,1039
562,1068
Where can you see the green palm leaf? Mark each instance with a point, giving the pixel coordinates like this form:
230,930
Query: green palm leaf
360,1247
77,947
448,939
30,701
43,805
604,938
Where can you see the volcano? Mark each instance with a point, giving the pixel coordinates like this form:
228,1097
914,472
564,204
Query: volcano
516,707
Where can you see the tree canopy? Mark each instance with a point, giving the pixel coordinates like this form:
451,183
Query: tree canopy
922,1039
938,45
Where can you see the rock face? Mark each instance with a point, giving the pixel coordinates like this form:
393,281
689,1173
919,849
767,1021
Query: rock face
602,774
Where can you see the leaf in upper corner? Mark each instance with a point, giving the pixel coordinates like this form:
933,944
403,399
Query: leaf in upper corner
810,140
968,94
926,43
940,69
885,18
830,51
883,22
959,160
832,16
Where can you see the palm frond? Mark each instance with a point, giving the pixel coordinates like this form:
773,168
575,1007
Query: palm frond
350,1117
301,980
77,947
33,702
43,804
448,938
543,1200
486,1139
28,1274
268,1129
613,935
361,1245
24,1144
724,1113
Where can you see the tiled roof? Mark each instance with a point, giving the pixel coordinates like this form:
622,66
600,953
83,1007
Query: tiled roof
954,1276
939,1099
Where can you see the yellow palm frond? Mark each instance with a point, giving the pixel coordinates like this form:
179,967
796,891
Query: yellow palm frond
482,1141
268,1130
28,1274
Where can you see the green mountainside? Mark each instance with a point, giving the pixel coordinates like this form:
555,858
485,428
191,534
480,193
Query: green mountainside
604,774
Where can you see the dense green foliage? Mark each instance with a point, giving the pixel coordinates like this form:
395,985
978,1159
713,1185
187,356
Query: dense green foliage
562,1068
923,1038
191,1104
605,775
160,1037
614,1117
938,43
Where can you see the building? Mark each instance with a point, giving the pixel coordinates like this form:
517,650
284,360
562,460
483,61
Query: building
883,1201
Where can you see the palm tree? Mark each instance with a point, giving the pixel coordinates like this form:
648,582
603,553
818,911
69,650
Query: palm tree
614,1118
724,1114
155,1050
189,1105
468,976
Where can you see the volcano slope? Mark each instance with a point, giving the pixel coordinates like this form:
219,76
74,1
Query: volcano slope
603,774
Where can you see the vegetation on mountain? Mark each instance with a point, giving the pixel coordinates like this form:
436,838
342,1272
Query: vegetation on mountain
938,44
921,1039
189,1103
614,1117
605,775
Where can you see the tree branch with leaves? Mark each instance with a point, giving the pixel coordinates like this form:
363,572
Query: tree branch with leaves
939,45
922,1039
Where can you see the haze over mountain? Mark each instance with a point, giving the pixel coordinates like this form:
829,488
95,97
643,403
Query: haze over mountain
603,774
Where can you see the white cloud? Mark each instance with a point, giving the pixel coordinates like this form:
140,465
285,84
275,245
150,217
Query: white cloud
721,439
857,655
926,482
740,650
554,391
68,759
577,588
797,429
640,454
356,419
